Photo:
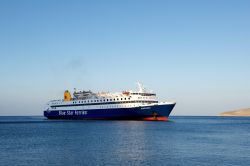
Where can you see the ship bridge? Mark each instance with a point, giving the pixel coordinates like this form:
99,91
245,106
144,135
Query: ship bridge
144,94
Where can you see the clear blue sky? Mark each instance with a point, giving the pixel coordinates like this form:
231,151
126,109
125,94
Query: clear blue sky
194,52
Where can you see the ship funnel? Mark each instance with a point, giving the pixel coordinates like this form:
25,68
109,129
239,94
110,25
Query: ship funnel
67,96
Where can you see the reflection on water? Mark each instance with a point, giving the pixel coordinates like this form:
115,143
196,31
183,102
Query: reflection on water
131,142
182,141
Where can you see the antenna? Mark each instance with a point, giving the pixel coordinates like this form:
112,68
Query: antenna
141,89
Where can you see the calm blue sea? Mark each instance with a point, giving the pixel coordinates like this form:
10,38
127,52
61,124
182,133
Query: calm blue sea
183,141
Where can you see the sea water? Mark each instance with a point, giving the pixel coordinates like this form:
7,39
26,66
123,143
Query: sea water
183,140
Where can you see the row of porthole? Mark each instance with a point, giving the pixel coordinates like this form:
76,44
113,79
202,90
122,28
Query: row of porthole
117,106
93,101
142,98
114,106
144,94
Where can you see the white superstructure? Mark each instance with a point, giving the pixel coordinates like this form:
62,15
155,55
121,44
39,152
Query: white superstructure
85,100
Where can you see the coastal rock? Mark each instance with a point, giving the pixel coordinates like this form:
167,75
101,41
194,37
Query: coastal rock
241,112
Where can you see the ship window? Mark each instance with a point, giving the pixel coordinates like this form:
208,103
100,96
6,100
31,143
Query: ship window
114,99
121,98
91,101
125,99
107,99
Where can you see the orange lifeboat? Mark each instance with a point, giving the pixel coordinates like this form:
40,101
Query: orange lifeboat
125,93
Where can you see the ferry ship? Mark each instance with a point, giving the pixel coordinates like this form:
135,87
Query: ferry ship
126,105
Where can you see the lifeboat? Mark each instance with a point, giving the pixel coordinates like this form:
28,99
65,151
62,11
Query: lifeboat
125,93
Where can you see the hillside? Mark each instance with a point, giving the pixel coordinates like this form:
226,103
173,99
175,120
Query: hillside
241,112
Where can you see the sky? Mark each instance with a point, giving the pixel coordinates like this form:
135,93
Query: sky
196,53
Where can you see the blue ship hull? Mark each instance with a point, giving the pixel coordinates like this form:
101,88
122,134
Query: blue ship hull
155,112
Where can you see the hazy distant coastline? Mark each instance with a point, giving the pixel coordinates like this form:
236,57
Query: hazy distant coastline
240,112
